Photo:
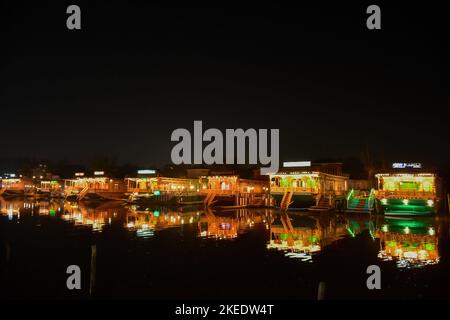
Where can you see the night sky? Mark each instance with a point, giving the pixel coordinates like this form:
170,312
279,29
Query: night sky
135,72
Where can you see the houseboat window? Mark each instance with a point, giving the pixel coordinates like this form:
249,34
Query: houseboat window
408,185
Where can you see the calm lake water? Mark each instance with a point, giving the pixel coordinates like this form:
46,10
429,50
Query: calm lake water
163,253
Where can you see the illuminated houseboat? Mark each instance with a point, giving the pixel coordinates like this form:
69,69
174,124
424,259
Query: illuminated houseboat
149,188
320,186
407,190
231,190
16,187
94,188
50,188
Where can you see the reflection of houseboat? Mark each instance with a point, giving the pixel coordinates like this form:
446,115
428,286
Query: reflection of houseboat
410,242
145,222
320,186
215,225
231,190
94,188
303,235
407,189
297,234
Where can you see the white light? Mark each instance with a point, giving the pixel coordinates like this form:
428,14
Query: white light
297,164
384,201
401,165
146,171
385,228
99,173
410,254
431,231
79,174
405,202
407,230
430,203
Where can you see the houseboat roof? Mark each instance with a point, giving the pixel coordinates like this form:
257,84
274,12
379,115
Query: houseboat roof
305,167
408,172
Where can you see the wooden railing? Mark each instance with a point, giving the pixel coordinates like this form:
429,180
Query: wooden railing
218,191
404,194
283,189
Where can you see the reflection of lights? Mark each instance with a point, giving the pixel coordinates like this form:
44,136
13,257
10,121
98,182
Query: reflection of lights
145,233
406,230
109,220
431,231
303,256
384,201
385,228
203,234
430,203
191,219
410,254
405,202
130,225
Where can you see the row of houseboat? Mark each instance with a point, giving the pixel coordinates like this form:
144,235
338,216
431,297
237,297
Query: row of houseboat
404,189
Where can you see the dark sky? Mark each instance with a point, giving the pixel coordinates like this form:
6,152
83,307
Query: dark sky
135,72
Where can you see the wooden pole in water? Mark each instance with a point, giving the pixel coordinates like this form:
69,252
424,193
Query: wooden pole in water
448,202
93,268
7,258
8,252
321,291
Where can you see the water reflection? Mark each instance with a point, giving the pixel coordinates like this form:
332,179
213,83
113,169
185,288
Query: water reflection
228,225
411,243
144,221
407,241
160,252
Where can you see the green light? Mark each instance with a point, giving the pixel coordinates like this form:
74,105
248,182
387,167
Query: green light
349,194
156,213
157,193
52,212
350,232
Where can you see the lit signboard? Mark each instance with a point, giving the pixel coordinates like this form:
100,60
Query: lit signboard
99,173
79,174
297,164
401,165
146,171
